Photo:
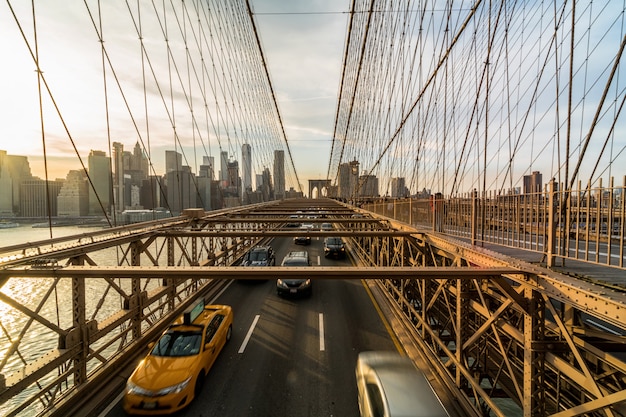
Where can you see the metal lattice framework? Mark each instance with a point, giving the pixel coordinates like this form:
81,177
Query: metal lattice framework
538,342
502,335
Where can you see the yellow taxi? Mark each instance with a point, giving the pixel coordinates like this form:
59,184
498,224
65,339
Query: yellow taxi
172,374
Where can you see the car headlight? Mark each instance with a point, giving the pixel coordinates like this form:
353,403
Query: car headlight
174,389
134,389
281,284
306,283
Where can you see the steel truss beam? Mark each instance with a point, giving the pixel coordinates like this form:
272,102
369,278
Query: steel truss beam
543,341
494,327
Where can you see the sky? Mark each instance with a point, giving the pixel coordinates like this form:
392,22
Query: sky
302,40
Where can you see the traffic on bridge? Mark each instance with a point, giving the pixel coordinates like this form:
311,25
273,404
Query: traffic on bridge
355,208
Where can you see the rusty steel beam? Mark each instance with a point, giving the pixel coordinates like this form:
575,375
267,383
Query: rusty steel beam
283,233
256,272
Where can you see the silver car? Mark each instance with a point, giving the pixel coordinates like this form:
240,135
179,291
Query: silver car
389,385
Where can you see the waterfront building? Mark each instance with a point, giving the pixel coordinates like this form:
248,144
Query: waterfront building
14,169
35,195
73,199
6,187
181,190
150,195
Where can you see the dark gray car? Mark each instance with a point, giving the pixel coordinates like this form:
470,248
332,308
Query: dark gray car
259,256
297,285
334,246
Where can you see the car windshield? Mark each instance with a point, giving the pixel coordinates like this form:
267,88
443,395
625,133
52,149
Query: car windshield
178,343
296,262
333,241
257,256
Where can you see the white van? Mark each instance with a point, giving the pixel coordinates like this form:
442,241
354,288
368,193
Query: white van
389,385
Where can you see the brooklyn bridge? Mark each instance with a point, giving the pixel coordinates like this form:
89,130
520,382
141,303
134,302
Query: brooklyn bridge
471,169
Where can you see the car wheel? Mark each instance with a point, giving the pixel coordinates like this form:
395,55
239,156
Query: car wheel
199,384
229,332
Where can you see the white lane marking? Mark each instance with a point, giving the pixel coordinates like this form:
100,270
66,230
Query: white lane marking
322,347
109,408
318,261
249,335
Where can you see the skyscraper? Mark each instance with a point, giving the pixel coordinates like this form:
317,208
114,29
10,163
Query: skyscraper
14,170
348,180
6,186
100,173
205,182
173,161
279,174
246,169
223,168
118,170
398,187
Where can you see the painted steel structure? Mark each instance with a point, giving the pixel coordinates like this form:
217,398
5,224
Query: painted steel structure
494,328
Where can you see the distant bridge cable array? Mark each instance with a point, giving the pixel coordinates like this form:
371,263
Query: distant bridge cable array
196,81
477,96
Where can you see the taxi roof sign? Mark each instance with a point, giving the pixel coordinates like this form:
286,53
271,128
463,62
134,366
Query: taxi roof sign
192,313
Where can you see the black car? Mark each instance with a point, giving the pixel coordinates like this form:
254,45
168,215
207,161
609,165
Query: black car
297,285
334,246
302,240
259,256
305,239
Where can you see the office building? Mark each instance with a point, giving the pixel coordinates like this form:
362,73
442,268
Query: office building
246,170
73,199
35,197
223,168
398,188
533,183
348,179
368,186
118,176
279,174
100,194
180,190
14,170
173,161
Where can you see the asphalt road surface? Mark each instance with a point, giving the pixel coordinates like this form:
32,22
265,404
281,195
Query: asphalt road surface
291,357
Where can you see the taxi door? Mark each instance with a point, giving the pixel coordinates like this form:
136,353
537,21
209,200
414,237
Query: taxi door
213,340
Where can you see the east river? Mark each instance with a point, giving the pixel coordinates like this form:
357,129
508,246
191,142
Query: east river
22,339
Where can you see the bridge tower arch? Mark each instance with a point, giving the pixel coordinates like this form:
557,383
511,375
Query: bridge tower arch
321,188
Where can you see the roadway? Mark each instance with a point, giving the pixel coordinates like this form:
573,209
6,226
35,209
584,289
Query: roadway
299,357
